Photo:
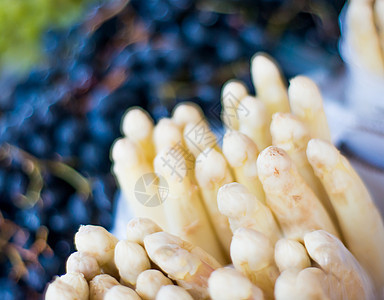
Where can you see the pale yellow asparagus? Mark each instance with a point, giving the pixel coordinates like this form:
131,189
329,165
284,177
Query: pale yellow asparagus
99,243
269,84
69,286
173,292
198,137
307,104
379,19
187,112
335,259
360,220
252,254
138,228
212,172
292,135
150,282
232,93
230,284
183,206
100,285
83,262
138,126
363,37
188,265
254,121
121,292
130,259
291,254
306,284
243,209
137,180
241,153
166,134
292,201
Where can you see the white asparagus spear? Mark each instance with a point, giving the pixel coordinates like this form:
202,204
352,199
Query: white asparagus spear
183,207
269,84
307,104
187,112
360,220
292,135
306,284
212,172
379,18
230,284
130,259
173,292
241,153
243,209
138,126
121,292
252,254
294,204
100,285
232,93
83,262
137,180
150,282
362,36
186,264
99,243
198,137
254,121
138,228
291,254
332,256
68,286
166,134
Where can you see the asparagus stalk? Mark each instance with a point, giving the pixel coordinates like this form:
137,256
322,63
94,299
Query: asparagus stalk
243,209
229,284
190,266
294,204
132,168
254,121
232,93
130,259
69,286
291,254
379,18
362,36
307,104
360,221
292,135
121,292
269,84
187,112
99,243
252,254
211,173
150,282
241,153
198,137
332,256
173,292
138,228
183,207
138,126
84,263
100,285
166,135
306,284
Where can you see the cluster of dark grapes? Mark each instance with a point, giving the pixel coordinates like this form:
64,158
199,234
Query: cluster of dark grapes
58,123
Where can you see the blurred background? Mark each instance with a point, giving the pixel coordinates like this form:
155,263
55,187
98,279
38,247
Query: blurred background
70,68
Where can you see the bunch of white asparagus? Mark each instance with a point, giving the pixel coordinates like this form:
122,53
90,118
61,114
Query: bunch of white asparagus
275,213
365,32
